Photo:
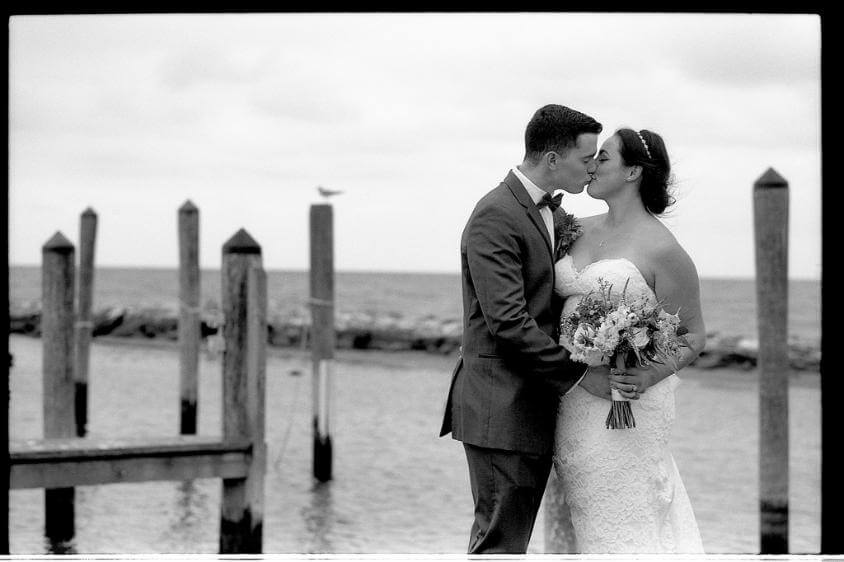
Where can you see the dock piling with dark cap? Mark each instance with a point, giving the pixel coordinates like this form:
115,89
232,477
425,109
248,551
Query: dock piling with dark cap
770,210
84,324
244,358
189,318
322,335
57,337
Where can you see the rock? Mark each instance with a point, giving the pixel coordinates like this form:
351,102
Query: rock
148,323
367,330
206,330
285,335
743,352
105,322
26,323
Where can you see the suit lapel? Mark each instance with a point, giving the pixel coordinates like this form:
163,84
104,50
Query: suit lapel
523,197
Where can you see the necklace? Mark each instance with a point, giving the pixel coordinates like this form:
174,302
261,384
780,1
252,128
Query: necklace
610,235
604,241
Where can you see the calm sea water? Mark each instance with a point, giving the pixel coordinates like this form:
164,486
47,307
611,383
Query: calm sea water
397,487
729,305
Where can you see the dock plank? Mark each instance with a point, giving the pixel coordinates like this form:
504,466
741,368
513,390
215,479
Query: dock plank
50,463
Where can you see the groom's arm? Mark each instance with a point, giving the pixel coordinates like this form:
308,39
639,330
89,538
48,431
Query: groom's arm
596,381
495,264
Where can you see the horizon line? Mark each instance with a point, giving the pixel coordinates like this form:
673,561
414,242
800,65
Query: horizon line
376,271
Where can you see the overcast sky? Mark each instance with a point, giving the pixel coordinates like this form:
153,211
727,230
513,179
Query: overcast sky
413,116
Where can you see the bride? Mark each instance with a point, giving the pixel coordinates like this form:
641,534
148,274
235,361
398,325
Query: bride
622,485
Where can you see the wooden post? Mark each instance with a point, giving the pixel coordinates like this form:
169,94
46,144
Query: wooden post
57,325
84,325
5,471
322,334
244,354
559,532
770,209
256,349
189,320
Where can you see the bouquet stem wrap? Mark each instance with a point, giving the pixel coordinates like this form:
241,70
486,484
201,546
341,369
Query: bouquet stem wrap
621,415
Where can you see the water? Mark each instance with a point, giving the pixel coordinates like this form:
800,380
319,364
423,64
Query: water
729,305
397,487
404,294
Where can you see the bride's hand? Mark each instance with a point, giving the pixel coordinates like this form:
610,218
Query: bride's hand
634,381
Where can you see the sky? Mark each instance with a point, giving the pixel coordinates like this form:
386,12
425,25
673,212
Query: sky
413,116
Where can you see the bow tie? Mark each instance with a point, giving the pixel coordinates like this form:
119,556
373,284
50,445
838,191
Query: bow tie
553,203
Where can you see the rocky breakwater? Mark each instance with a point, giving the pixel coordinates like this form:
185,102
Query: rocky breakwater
743,352
290,328
377,331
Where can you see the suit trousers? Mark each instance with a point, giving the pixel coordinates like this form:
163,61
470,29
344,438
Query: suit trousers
507,487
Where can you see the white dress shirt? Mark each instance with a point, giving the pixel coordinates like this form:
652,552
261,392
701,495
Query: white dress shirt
536,193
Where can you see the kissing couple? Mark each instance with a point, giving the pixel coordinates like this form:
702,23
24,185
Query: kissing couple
521,399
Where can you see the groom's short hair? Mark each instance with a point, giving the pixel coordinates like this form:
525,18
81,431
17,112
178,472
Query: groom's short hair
556,127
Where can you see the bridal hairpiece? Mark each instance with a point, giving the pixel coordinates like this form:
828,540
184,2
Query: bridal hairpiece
641,138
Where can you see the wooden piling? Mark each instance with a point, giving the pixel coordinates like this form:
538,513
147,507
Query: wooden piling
189,319
57,337
244,356
322,335
84,324
5,472
256,350
770,209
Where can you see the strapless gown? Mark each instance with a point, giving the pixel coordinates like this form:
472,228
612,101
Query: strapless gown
622,486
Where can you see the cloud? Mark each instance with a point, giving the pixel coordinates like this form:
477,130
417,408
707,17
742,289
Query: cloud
748,51
210,66
245,114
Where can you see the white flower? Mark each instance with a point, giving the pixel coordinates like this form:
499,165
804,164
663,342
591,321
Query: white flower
640,337
607,337
584,336
618,318
590,357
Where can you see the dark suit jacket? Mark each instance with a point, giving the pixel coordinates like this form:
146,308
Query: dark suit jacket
508,382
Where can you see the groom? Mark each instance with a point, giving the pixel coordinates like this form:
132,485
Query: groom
512,372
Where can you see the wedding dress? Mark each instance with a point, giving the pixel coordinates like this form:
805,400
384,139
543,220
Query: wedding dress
621,485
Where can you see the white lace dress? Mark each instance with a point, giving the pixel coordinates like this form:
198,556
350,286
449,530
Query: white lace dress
621,485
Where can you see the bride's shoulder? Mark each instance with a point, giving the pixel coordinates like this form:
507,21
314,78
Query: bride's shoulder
662,236
666,250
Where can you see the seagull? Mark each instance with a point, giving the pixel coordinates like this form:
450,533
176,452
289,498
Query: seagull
327,192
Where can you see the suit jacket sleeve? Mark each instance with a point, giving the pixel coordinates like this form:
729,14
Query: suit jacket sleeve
495,264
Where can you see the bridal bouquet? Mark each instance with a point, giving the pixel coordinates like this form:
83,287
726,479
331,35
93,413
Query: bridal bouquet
620,332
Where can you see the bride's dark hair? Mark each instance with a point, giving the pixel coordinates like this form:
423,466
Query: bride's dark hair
648,152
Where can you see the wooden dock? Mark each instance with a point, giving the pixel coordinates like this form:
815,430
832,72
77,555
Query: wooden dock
64,458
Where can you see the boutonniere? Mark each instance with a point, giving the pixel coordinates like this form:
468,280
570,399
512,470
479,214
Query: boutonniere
566,231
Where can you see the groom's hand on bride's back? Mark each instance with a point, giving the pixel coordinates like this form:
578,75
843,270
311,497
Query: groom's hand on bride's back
597,381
